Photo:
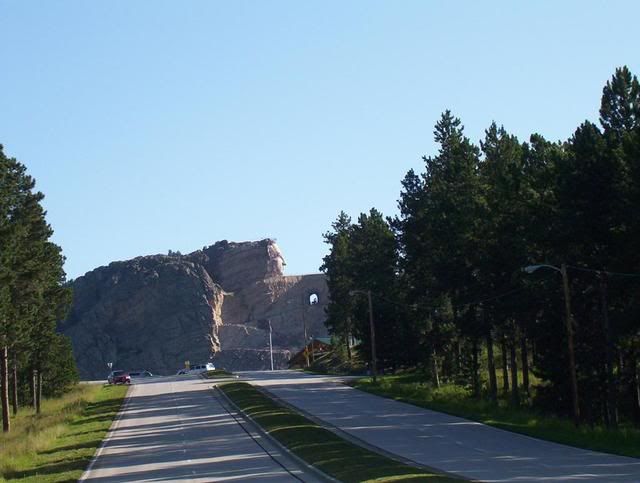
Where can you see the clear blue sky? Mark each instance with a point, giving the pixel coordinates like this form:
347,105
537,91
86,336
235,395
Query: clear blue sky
156,125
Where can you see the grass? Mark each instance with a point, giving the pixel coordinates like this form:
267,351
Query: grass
456,400
319,447
58,444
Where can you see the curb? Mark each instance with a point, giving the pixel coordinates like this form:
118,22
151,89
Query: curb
108,435
248,420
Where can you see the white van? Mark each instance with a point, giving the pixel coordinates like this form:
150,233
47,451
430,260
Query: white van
200,368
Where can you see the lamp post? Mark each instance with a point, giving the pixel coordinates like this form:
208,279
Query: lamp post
304,330
374,370
570,335
305,342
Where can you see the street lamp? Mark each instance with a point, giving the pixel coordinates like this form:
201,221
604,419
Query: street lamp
304,329
569,321
374,370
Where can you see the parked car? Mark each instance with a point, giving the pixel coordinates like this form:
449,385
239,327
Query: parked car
119,377
135,374
182,372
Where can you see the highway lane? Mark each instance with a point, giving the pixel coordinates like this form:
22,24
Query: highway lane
437,440
176,429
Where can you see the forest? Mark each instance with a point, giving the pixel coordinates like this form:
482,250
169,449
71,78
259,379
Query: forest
512,267
35,360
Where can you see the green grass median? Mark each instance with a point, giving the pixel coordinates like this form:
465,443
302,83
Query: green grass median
456,400
57,444
319,447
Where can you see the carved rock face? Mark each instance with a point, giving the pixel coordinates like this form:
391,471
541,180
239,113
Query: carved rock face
156,312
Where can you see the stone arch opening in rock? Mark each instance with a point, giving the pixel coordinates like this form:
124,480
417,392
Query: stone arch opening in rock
313,298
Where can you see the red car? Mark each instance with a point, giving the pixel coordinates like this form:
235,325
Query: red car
119,377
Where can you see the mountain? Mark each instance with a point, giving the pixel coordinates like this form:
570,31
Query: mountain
156,312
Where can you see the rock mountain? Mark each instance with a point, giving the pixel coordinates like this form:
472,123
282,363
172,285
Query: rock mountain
215,304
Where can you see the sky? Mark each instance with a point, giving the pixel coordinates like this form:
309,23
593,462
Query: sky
163,125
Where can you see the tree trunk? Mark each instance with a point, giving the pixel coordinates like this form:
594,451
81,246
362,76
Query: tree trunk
39,393
34,388
611,406
349,338
493,383
434,365
4,392
637,396
635,382
515,390
14,387
621,367
524,353
476,369
505,366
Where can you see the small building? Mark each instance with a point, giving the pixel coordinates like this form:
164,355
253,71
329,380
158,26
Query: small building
315,348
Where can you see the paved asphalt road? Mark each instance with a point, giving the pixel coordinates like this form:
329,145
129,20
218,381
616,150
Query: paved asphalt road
176,429
451,444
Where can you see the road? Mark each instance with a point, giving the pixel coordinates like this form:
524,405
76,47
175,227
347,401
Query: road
455,445
176,429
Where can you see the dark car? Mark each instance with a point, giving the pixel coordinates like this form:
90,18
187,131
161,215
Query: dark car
119,377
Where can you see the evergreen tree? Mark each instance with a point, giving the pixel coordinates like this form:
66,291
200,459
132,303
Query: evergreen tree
503,243
31,279
437,227
374,267
466,227
620,104
337,266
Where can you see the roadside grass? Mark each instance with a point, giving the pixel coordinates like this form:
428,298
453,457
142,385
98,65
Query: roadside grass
58,444
319,447
457,401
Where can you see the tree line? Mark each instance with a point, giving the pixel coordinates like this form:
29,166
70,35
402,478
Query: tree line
450,292
34,359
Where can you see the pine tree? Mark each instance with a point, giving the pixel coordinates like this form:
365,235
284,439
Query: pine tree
31,276
336,265
437,228
620,104
374,267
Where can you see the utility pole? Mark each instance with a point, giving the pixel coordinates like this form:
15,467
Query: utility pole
270,343
570,345
374,366
570,334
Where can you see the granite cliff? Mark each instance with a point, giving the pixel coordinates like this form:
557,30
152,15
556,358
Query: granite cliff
215,304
